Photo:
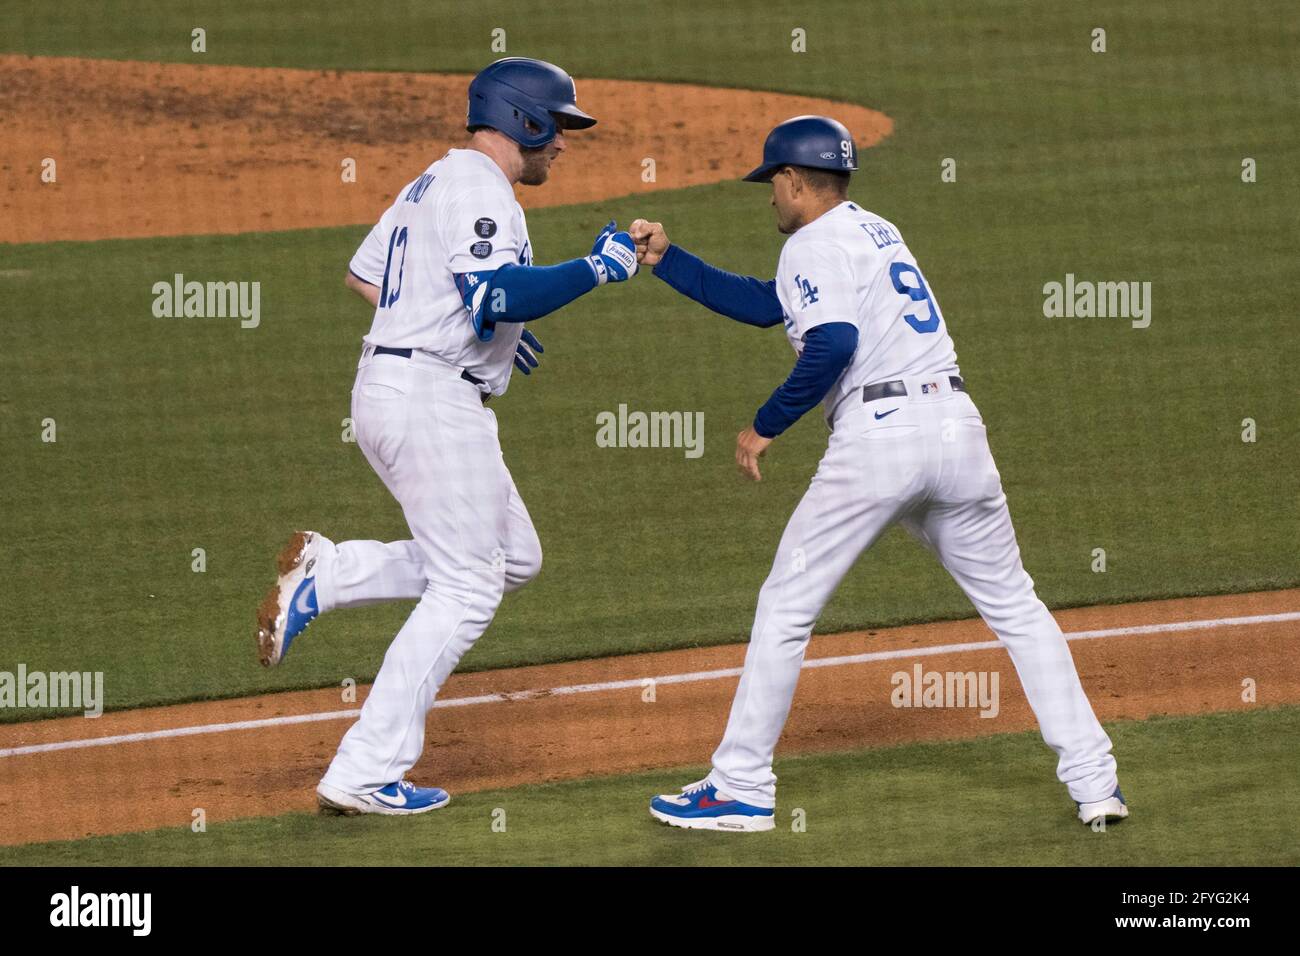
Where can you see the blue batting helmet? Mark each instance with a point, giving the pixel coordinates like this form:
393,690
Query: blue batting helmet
818,142
527,100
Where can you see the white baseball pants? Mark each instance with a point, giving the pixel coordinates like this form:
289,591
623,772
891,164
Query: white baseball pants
431,440
927,466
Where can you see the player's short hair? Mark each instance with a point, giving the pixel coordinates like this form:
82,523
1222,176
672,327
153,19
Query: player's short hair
834,182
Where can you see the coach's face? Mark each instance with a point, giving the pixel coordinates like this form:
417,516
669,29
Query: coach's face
537,161
785,198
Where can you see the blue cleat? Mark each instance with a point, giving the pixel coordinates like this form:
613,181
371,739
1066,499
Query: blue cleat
701,807
291,605
1112,808
396,799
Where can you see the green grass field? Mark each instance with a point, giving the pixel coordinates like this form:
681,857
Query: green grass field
1204,791
183,434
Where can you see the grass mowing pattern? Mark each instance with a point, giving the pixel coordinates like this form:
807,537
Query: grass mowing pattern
177,434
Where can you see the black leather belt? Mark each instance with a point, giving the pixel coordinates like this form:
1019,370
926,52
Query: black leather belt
896,389
406,353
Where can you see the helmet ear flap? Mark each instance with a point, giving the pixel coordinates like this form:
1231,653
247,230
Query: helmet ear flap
532,131
538,122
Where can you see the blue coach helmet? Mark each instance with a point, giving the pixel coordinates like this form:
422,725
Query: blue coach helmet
527,100
818,142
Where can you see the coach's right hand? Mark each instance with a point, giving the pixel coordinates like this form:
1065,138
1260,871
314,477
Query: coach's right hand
613,257
651,241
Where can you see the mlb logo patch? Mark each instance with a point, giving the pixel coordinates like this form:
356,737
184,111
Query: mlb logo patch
930,388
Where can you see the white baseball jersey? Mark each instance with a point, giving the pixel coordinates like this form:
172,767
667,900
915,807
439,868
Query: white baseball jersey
850,265
459,216
434,444
921,460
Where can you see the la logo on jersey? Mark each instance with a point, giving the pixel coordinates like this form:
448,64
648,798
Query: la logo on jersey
807,291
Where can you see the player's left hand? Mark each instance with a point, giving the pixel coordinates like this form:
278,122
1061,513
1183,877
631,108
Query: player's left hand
750,446
526,352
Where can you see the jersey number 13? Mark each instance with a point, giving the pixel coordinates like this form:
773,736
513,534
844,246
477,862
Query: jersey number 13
386,298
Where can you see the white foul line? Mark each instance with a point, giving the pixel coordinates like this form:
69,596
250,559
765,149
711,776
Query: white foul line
637,682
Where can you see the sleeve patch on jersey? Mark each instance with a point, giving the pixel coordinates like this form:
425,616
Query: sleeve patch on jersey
481,250
485,228
806,291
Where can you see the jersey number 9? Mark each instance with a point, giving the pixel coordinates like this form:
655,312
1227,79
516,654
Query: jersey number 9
918,292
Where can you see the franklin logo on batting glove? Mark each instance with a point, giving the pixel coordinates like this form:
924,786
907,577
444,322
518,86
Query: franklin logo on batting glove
613,257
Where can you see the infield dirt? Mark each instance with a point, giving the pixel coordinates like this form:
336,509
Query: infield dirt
526,732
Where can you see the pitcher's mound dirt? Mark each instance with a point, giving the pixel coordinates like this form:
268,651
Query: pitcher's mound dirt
161,149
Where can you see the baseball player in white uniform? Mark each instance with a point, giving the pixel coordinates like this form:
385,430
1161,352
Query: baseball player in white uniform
907,445
449,271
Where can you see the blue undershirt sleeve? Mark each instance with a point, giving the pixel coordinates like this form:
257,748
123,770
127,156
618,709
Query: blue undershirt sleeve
743,298
522,293
828,349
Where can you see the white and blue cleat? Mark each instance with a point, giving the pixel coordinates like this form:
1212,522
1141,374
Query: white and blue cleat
291,605
397,799
701,807
1112,808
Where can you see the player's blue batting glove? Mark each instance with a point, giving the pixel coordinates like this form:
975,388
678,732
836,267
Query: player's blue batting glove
613,257
525,359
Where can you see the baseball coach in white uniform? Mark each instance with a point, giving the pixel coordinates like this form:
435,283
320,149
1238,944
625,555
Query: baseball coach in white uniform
907,446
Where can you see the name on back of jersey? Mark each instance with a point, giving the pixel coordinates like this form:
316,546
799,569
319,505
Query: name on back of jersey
881,234
419,188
